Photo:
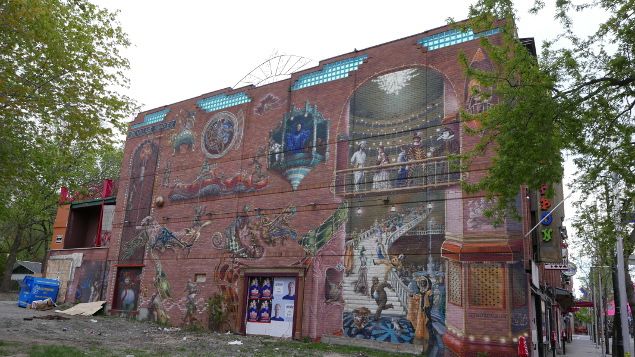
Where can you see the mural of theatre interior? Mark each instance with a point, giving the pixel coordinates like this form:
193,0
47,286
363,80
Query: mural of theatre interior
306,212
394,277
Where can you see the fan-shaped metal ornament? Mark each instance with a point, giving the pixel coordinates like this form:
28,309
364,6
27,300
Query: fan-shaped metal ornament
276,68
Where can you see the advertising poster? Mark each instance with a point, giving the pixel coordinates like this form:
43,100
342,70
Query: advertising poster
270,306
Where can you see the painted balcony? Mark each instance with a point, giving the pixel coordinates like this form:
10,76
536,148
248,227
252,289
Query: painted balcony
416,174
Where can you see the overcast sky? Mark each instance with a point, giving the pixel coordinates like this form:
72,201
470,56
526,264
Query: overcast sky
187,48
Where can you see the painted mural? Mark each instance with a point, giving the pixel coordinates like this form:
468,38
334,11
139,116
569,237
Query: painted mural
299,144
127,289
267,103
249,233
158,240
393,281
139,198
185,137
223,132
398,135
211,181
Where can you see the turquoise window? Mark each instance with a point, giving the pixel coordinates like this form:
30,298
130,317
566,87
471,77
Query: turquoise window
453,37
152,118
221,101
330,72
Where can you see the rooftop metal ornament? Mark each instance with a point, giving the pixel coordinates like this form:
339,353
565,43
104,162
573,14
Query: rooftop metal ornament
276,68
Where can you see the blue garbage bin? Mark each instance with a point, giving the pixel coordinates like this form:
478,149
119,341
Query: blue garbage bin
33,288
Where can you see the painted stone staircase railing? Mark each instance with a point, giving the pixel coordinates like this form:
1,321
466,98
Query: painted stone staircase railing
397,296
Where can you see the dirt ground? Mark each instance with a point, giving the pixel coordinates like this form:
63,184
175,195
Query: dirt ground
114,336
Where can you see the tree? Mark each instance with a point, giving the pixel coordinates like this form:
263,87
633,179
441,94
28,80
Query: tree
61,116
60,65
26,222
577,98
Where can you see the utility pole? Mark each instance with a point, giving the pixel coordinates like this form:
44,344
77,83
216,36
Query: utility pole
621,278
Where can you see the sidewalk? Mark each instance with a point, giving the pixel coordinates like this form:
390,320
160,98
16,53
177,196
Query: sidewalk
581,345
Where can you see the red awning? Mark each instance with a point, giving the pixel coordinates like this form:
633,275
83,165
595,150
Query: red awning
583,304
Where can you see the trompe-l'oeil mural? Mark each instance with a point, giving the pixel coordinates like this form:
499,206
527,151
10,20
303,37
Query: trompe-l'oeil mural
299,144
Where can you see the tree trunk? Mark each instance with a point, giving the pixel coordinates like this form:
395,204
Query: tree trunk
11,258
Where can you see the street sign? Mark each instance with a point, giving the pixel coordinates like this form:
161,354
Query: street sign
555,266
571,270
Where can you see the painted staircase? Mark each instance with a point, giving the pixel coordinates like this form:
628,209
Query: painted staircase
368,240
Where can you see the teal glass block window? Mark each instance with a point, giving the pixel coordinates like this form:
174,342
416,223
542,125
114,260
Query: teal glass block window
221,101
152,118
453,37
330,72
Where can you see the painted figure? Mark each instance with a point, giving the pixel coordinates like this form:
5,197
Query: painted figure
264,315
291,291
378,292
254,289
276,313
297,141
361,285
190,304
275,151
333,291
417,151
381,179
265,291
422,328
252,312
349,258
128,295
358,160
380,249
360,320
395,262
402,173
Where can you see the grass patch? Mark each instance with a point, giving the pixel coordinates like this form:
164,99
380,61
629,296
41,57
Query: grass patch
269,349
55,351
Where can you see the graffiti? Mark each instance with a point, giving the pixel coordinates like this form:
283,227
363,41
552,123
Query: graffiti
210,182
245,236
185,136
90,282
267,103
299,144
222,133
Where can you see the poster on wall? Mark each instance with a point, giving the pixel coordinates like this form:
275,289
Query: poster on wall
270,306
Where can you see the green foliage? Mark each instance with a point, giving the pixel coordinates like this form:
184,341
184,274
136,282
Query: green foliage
577,98
217,312
54,351
60,116
584,315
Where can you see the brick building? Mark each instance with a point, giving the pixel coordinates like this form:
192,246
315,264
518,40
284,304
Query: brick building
324,204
